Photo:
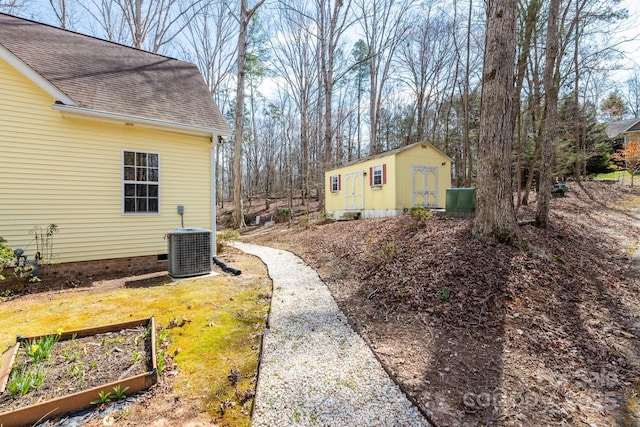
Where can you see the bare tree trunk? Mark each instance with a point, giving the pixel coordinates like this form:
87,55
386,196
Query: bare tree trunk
495,216
531,19
578,125
244,18
550,120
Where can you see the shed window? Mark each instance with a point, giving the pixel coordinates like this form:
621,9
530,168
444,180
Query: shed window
335,183
141,180
378,175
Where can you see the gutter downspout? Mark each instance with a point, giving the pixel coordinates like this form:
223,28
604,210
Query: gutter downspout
212,169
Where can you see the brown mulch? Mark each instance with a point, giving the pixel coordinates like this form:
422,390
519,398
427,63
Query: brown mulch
486,334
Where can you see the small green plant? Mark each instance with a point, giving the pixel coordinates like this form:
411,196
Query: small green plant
386,249
119,393
44,242
78,371
26,272
23,380
123,414
38,377
228,235
19,382
420,215
93,365
161,361
304,221
7,258
40,350
103,397
136,356
283,215
67,355
444,294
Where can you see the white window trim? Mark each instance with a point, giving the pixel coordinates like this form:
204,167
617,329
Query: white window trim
337,183
122,183
373,171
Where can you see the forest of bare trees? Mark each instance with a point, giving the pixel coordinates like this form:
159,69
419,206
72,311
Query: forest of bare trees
330,81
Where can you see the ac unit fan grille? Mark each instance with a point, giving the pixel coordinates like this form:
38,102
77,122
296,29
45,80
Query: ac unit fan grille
189,252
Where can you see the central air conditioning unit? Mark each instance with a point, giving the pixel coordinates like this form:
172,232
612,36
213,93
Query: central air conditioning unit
189,252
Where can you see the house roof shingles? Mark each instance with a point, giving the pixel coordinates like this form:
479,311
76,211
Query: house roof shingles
615,130
113,78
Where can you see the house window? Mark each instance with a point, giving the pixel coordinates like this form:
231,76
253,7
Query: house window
141,182
378,175
335,183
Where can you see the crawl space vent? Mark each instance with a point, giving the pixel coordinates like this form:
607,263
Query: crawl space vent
189,252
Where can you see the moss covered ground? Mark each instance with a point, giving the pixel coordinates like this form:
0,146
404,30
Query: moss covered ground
216,349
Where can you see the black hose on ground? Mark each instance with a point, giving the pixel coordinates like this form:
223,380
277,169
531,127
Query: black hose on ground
225,267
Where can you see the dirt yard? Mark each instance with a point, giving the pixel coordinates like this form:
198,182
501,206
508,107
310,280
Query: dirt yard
487,335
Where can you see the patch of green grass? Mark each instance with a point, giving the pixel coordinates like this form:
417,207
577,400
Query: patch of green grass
227,317
615,175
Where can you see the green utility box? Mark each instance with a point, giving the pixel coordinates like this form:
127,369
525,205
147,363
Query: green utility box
460,202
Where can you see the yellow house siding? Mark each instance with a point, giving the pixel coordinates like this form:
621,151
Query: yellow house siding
382,197
374,198
69,172
419,156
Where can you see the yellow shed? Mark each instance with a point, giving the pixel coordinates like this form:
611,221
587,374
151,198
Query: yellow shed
389,183
107,142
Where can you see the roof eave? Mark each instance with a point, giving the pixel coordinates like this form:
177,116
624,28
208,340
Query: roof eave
86,113
390,153
36,78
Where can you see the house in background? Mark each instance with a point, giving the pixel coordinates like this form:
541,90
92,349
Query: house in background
389,183
621,131
106,142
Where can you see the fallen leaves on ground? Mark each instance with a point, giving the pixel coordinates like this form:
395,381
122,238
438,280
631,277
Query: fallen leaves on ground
487,334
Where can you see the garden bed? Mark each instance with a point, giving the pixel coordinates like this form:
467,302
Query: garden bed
64,372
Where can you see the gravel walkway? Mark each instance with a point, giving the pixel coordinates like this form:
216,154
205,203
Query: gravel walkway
315,369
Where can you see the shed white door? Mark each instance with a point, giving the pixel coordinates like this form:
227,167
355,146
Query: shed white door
354,190
425,186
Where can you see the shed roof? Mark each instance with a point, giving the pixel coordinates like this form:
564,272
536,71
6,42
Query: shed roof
393,153
108,77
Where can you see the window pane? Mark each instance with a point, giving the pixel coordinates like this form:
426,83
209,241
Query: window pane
141,174
377,175
129,158
141,159
140,169
141,190
141,205
129,204
129,173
